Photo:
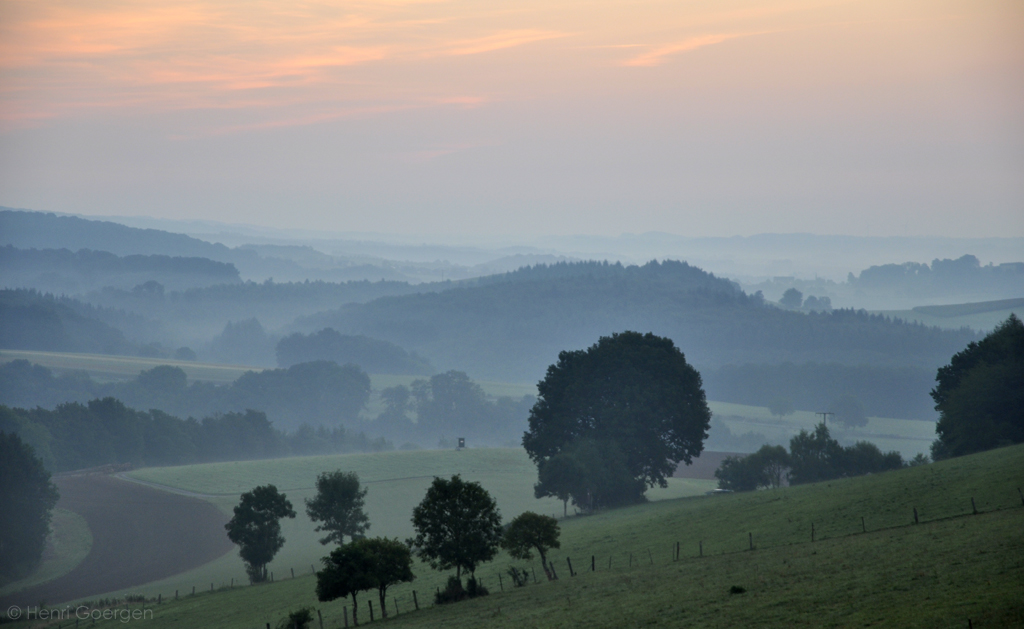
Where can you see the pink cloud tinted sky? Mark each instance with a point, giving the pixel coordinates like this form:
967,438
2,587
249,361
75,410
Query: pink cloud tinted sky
709,117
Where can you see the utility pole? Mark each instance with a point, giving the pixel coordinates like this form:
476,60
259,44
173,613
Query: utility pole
824,417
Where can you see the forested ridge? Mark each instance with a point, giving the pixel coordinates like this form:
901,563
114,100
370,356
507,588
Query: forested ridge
513,325
105,431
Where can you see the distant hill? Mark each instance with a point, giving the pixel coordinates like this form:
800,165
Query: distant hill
82,271
512,326
40,230
32,321
371,355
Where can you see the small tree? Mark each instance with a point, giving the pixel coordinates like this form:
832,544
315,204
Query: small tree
528,532
792,299
338,505
348,570
256,528
27,498
768,467
849,411
457,524
392,564
781,407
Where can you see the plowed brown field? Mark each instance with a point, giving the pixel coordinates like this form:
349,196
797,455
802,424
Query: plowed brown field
140,534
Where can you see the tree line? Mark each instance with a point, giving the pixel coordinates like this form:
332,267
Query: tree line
884,391
106,431
502,328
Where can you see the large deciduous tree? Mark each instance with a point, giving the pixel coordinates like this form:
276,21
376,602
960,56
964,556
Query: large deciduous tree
632,399
256,528
338,506
980,394
27,498
457,525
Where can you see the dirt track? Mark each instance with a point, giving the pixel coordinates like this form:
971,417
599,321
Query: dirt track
140,534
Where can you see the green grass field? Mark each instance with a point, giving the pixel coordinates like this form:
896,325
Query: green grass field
951,567
67,546
397,481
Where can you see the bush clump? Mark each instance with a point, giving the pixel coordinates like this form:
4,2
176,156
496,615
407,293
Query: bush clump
454,592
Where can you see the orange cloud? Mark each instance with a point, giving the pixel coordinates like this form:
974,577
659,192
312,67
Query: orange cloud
497,41
657,56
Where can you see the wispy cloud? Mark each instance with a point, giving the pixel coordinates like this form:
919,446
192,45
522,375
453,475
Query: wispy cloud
500,40
658,55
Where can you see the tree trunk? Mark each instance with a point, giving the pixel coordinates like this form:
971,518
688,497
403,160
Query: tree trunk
383,605
355,610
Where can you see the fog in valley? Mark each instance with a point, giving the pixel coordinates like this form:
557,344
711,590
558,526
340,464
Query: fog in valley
598,314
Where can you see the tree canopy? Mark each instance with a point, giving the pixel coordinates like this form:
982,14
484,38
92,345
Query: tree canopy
256,528
457,525
28,498
980,394
364,564
630,397
338,506
528,532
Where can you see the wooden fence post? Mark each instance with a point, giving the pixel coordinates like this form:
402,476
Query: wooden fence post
501,583
369,603
650,556
321,618
193,590
311,568
415,601
175,594
592,560
863,527
915,515
609,562
396,605
1021,496
701,548
293,573
569,561
973,506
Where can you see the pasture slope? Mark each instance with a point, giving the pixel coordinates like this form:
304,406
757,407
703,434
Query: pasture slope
951,567
396,481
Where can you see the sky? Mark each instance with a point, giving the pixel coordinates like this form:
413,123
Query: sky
697,118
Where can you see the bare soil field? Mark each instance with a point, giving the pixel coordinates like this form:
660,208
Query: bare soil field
140,534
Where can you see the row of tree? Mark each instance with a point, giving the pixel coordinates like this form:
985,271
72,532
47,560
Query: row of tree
106,431
458,526
813,457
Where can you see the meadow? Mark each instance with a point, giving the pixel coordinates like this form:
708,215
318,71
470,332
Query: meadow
397,481
66,547
745,559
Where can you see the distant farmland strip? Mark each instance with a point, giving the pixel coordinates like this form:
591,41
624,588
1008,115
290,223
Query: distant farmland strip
140,534
106,367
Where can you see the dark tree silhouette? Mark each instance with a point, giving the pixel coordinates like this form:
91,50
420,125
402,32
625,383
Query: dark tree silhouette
630,394
256,528
338,506
980,394
528,532
27,498
457,524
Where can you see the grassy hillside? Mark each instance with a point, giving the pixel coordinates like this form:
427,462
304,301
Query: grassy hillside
951,567
397,481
